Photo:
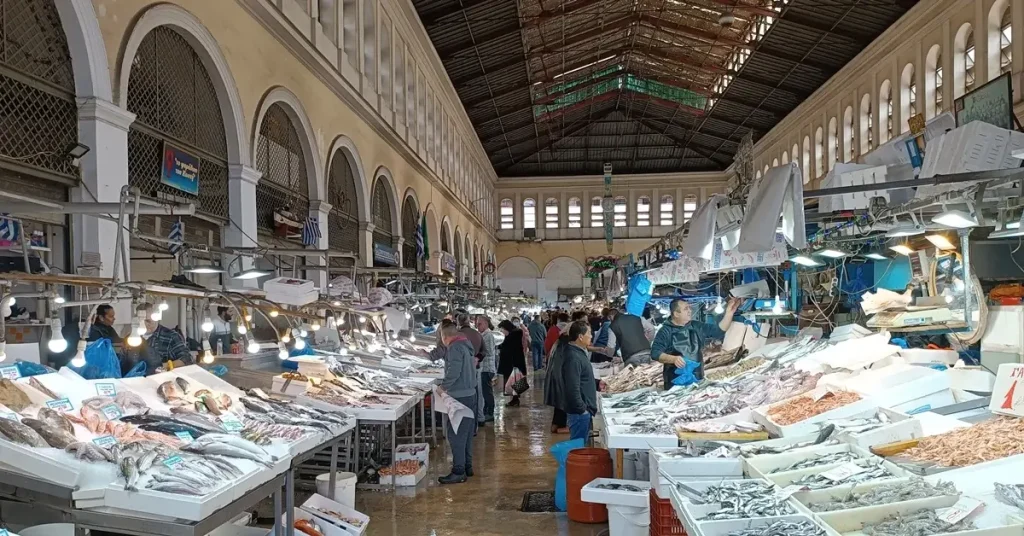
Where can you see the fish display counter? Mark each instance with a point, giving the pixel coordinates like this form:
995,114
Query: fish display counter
180,447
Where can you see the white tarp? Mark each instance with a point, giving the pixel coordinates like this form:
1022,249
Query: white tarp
781,190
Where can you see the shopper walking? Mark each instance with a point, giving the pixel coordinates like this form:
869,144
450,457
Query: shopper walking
459,382
537,335
681,338
580,396
511,355
488,367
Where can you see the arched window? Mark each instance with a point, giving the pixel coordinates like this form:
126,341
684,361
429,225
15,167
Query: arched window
643,211
775,162
575,212
1000,40
933,82
619,211
596,212
819,152
850,150
380,203
833,143
343,219
446,231
529,213
866,130
885,110
785,157
908,96
551,213
805,159
766,168
689,207
963,60
507,214
757,175
410,221
283,186
796,154
668,208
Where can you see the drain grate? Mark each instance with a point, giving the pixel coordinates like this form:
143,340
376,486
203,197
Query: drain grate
538,501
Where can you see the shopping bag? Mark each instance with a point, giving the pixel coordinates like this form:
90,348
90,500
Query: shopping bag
561,453
100,361
521,385
510,383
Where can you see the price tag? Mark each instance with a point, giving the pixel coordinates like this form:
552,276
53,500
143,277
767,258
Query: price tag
61,404
963,508
10,373
3,532
820,392
111,412
105,389
843,472
789,490
174,462
231,423
9,415
184,436
720,452
105,441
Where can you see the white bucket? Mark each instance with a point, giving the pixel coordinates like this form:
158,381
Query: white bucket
344,487
50,529
628,521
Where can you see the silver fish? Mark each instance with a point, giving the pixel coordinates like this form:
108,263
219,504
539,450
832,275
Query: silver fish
130,472
816,481
783,528
745,499
86,450
147,459
182,384
169,391
835,457
131,402
224,449
178,488
1011,494
20,433
924,522
916,488
236,442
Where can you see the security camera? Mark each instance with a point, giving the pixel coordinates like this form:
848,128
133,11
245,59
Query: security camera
726,20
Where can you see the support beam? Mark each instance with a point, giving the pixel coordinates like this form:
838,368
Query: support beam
756,80
582,37
682,59
432,16
551,140
481,40
799,19
511,62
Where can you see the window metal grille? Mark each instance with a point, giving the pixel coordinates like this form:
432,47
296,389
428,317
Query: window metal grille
409,224
279,157
343,220
174,101
444,240
381,211
38,115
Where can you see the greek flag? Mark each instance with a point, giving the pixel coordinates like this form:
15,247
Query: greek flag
8,229
420,246
311,231
177,235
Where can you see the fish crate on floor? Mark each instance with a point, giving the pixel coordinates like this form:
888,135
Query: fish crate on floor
664,521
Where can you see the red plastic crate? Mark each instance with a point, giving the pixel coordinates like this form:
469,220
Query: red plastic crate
664,521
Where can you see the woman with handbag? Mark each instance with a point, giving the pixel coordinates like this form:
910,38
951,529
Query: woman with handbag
511,357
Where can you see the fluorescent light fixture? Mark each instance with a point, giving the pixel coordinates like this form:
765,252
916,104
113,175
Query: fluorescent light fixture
831,253
251,273
908,228
1012,229
902,249
804,260
204,269
940,241
606,58
876,256
960,217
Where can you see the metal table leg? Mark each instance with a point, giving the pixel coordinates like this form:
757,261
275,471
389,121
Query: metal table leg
423,419
394,446
334,471
277,513
433,425
355,447
289,501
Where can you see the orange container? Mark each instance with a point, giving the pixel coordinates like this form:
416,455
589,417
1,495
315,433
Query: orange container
583,466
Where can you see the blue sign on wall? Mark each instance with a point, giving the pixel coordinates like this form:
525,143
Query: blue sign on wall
180,170
384,254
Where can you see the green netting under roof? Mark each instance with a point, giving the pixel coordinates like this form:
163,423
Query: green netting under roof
628,81
566,86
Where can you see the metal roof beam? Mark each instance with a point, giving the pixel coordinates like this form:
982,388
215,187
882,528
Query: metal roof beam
694,33
481,41
434,15
551,141
785,56
757,80
614,25
681,59
810,23
511,62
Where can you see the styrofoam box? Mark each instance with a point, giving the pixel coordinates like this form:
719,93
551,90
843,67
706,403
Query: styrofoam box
808,426
975,481
413,451
785,442
690,514
901,427
900,386
806,499
728,526
683,469
328,529
763,466
850,522
319,501
618,439
291,388
787,478
405,480
924,355
618,497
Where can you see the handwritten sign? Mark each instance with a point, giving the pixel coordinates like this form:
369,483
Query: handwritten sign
111,412
231,423
105,389
1007,394
10,373
61,404
731,259
843,472
105,441
956,513
174,463
789,490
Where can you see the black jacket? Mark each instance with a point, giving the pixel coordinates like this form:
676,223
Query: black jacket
580,388
629,335
554,385
510,354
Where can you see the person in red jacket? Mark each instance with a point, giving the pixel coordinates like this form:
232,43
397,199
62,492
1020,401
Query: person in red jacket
554,331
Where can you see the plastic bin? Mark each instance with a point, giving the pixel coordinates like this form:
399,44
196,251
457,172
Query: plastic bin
344,487
628,521
583,466
664,521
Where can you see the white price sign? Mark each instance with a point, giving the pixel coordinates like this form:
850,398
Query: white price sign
1007,393
956,513
10,373
231,423
843,472
789,490
61,404
105,389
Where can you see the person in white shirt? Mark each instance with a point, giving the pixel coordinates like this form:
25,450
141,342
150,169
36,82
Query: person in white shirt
220,338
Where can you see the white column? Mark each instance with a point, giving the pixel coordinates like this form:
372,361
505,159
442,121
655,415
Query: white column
103,127
366,243
319,210
948,55
242,231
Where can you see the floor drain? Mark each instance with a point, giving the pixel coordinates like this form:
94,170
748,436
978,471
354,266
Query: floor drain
538,501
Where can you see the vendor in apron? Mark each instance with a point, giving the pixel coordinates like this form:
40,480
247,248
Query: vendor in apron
681,338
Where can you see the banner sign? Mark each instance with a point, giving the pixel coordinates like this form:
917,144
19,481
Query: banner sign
991,103
684,270
180,170
1007,395
385,254
448,262
609,208
723,259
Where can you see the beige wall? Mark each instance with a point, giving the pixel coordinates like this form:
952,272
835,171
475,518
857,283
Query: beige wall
264,50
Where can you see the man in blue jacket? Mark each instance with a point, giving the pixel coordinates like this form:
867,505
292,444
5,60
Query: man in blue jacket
460,382
681,338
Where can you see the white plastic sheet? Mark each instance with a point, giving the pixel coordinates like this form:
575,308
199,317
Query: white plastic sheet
781,190
700,241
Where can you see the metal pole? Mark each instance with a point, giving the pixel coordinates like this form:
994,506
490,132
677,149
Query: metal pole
98,209
394,446
334,471
289,500
277,513
974,176
965,252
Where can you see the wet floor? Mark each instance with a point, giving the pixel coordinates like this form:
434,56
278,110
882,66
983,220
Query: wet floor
510,457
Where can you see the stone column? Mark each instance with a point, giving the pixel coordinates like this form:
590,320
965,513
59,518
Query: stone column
366,243
241,232
321,211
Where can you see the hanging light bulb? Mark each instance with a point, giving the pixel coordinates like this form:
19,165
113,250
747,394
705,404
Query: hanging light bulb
207,324
387,351
254,347
79,359
300,344
315,326
274,313
777,308
11,301
248,317
407,315
207,354
286,337
336,303
412,338
282,351
303,332
241,329
162,306
331,322
134,339
57,343
343,351
719,308
341,321
59,300
3,350
156,316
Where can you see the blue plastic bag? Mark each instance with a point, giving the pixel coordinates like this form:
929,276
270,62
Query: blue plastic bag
138,371
561,453
100,361
28,368
685,375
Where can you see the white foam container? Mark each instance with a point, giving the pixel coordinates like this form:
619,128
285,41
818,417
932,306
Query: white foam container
762,466
809,425
617,438
901,427
328,529
806,499
375,413
924,355
688,469
690,514
289,388
618,497
976,481
787,478
319,501
851,522
726,527
413,451
404,480
629,521
344,487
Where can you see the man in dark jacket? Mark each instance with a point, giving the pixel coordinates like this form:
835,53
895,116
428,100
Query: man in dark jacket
629,336
460,382
537,335
580,397
681,338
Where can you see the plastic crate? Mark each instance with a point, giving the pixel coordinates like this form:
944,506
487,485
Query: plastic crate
664,521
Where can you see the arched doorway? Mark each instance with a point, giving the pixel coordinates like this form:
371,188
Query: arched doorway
343,196
518,274
410,223
282,195
383,220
